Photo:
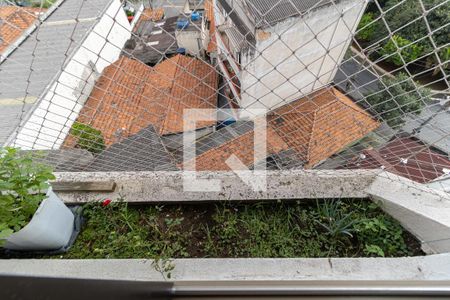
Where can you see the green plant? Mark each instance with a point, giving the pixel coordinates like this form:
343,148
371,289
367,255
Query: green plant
88,138
22,186
433,62
333,219
397,97
397,48
267,229
43,3
401,12
366,27
381,236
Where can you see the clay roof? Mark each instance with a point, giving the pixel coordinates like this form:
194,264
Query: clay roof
130,96
13,21
404,156
149,14
303,126
209,10
242,146
306,125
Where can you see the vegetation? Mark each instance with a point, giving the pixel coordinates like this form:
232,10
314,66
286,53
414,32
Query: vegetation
22,183
408,21
399,49
325,228
403,12
43,3
398,97
88,138
366,27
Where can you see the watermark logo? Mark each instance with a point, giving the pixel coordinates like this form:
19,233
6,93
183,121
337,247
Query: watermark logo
256,178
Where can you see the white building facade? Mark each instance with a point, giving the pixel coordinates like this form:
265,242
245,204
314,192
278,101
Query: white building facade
275,53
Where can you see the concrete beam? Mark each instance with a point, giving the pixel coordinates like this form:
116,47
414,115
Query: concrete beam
433,267
424,211
168,186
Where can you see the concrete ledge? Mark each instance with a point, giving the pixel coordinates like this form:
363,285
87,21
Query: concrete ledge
433,267
168,186
424,211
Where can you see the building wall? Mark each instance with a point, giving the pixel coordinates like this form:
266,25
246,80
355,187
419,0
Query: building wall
194,41
319,40
59,106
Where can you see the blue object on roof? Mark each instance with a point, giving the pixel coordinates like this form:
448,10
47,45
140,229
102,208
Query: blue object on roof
182,23
195,16
181,50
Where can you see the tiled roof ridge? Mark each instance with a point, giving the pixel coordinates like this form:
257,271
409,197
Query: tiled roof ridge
338,99
286,139
311,134
175,59
339,95
117,65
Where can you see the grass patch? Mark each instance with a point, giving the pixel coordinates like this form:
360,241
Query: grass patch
334,228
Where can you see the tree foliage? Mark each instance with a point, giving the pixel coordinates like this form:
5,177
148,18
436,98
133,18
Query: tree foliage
398,96
398,48
366,27
411,11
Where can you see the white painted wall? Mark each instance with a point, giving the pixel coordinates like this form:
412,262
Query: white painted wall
424,211
190,40
194,41
319,40
59,107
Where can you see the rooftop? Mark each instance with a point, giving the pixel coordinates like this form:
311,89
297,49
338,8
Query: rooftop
153,42
209,14
143,151
14,21
54,45
267,12
431,126
248,15
404,156
129,96
302,127
150,14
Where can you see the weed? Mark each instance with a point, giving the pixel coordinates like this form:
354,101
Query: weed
329,228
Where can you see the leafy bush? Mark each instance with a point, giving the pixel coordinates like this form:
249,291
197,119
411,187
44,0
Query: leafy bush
397,97
89,138
410,52
22,183
366,30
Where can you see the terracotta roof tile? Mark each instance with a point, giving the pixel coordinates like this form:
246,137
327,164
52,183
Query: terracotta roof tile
130,96
209,10
242,146
149,14
304,126
14,21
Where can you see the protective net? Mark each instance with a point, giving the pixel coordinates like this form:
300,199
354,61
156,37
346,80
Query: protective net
342,84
